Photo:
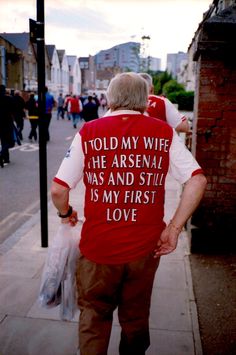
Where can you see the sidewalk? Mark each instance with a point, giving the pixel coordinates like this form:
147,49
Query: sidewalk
28,329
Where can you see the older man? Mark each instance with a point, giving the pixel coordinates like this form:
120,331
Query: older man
123,159
160,107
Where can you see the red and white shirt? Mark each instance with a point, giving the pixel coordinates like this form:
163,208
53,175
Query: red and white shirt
124,159
160,107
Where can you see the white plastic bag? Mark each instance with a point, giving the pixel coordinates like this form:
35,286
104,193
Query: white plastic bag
68,303
58,285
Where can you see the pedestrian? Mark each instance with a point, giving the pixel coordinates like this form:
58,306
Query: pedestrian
96,102
103,102
160,107
19,112
90,111
123,159
6,125
75,107
66,104
33,115
102,105
60,106
50,103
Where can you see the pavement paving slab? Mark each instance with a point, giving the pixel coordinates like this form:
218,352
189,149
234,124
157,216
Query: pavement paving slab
28,336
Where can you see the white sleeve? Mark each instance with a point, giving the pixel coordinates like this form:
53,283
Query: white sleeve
108,113
72,166
80,106
182,163
69,106
173,116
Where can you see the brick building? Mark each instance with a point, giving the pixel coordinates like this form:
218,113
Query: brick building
214,128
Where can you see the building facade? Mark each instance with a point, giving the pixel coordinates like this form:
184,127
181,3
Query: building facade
123,56
11,65
19,60
74,75
88,74
55,82
175,62
64,72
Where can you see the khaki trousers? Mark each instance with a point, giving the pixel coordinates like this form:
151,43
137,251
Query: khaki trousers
101,289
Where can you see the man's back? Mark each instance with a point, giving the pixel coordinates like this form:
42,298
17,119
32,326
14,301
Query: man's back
126,162
49,102
156,107
74,105
90,111
19,104
160,107
6,113
60,101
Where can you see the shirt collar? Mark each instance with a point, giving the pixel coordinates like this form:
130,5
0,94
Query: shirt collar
124,112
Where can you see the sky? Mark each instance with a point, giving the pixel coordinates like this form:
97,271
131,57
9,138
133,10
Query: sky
84,27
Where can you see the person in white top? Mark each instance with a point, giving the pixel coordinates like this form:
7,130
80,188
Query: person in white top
160,107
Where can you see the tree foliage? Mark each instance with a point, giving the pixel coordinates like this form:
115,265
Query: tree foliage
164,84
172,86
159,80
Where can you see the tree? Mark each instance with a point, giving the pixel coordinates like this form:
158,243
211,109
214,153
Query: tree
164,84
172,86
185,100
159,80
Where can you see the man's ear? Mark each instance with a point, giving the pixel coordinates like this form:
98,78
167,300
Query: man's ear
152,90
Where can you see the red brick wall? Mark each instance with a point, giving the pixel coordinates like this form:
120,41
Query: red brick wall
214,143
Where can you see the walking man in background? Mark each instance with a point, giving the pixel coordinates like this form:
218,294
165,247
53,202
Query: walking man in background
124,159
50,103
6,125
60,106
160,107
33,115
90,110
19,112
75,107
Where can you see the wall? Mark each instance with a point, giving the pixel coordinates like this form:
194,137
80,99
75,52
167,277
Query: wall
13,64
214,143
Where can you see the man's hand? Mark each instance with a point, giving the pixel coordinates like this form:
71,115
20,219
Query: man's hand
72,220
168,240
190,198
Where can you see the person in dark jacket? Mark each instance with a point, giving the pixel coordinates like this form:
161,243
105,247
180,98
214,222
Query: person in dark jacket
90,110
19,112
50,103
32,108
6,125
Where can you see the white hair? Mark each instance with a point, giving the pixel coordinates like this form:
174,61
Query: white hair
128,91
148,79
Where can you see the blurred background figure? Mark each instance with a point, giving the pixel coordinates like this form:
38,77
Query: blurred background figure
6,125
66,106
60,106
90,110
103,105
50,103
32,108
75,107
19,112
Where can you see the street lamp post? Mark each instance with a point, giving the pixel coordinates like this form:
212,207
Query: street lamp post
37,36
42,137
145,58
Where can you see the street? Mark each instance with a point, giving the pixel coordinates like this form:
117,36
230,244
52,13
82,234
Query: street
19,181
